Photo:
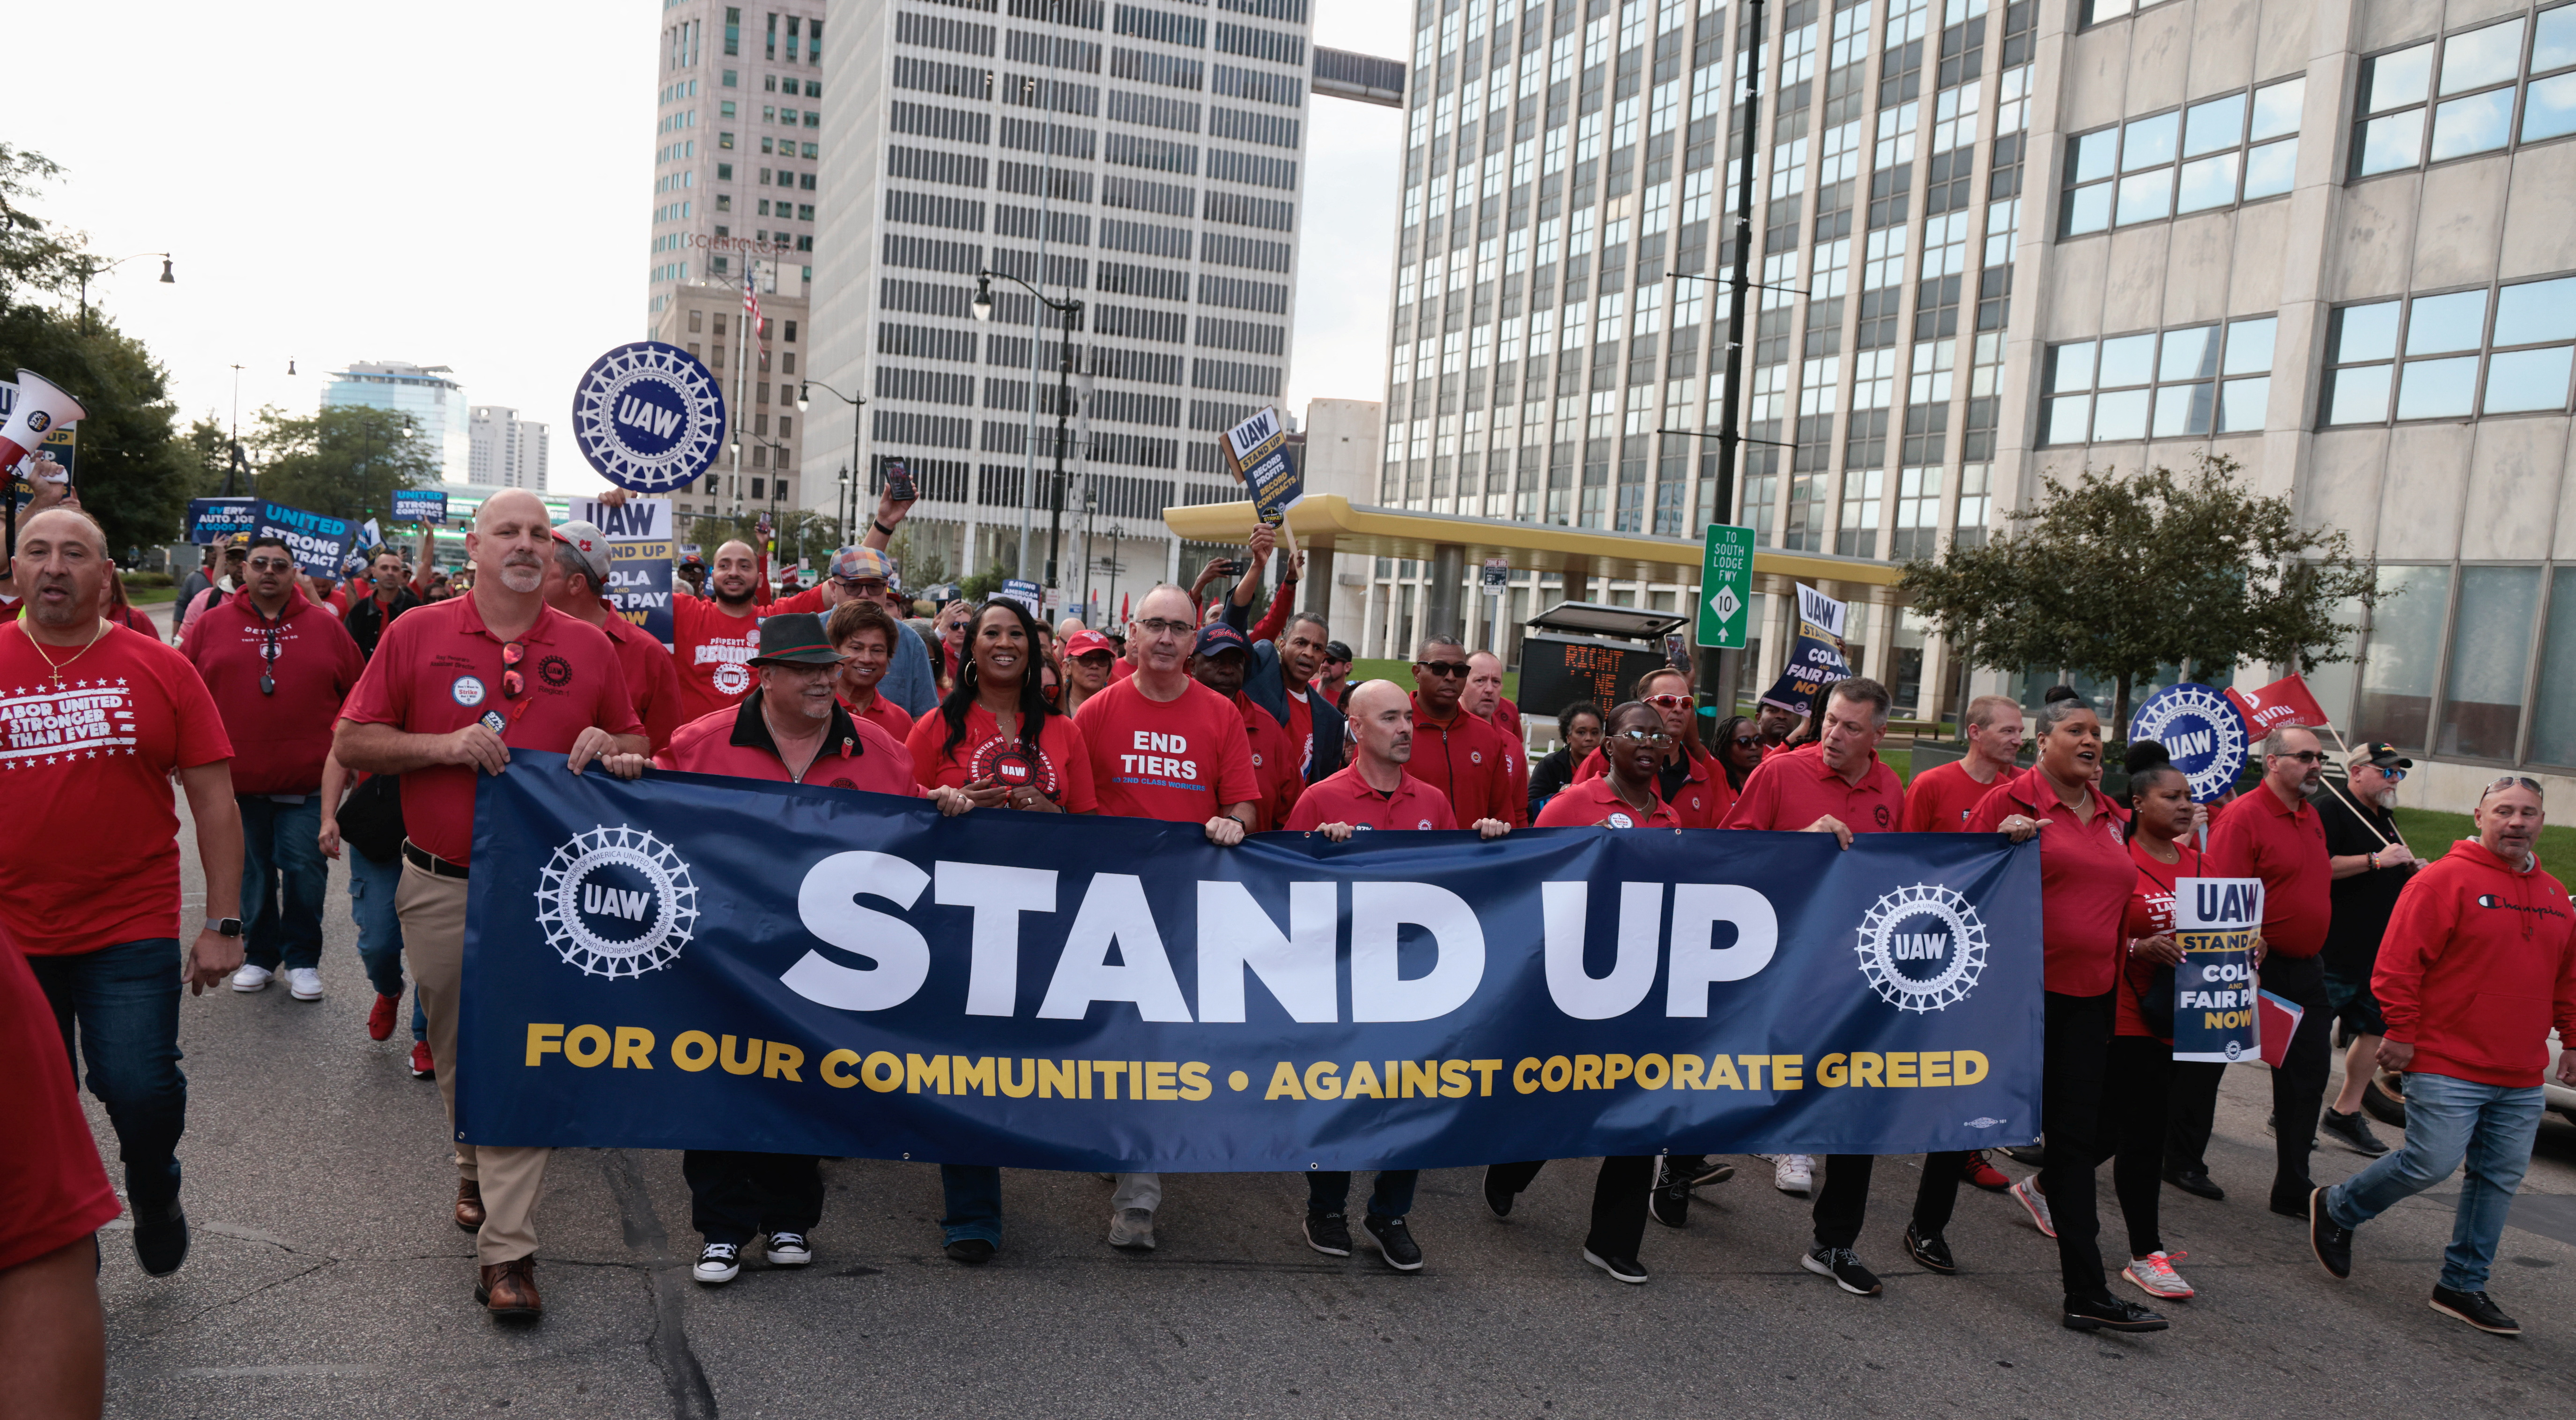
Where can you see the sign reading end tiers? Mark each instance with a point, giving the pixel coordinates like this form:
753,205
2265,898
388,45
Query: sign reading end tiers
649,417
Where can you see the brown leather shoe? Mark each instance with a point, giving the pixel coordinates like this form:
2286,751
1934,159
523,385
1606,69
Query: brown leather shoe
469,1205
510,1288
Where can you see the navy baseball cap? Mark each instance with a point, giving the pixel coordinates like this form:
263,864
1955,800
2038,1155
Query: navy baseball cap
1216,637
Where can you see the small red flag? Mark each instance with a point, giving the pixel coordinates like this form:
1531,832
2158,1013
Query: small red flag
2277,1019
1122,611
2284,702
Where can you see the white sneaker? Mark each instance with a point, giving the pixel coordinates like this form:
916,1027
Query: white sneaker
1794,1173
2154,1274
789,1250
252,978
304,983
2026,1192
718,1263
1132,1227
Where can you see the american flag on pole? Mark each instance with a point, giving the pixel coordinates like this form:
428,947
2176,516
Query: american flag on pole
751,294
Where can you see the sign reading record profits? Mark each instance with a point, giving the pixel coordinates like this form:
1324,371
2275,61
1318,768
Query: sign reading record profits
648,416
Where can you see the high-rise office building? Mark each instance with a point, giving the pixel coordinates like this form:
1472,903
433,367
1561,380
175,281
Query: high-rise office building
1143,159
503,450
430,394
1997,241
737,152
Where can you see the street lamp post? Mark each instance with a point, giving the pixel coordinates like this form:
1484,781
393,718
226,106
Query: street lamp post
89,268
849,509
1071,309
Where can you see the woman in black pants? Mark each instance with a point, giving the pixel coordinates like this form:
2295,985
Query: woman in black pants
2139,1082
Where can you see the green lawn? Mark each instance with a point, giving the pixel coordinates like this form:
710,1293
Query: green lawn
1401,672
2431,835
151,596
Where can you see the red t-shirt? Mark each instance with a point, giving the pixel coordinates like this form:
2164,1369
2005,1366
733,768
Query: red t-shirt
2258,837
737,742
1595,804
279,739
1787,792
438,669
1344,797
885,715
712,650
1465,760
1701,801
52,1191
1062,770
2085,877
1275,764
89,843
1301,727
652,679
1940,799
2150,914
1182,760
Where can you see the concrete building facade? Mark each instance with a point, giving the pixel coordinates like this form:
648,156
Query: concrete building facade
430,394
1143,159
504,450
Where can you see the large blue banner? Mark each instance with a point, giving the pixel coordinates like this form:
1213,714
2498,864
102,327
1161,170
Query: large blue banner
694,962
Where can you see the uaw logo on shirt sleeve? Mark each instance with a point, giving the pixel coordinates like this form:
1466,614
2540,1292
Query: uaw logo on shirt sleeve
617,902
648,416
2203,732
1922,947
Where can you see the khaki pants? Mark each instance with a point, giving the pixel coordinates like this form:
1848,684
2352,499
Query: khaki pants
432,909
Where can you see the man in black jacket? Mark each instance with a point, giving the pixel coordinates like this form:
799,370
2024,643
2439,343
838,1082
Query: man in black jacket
1280,678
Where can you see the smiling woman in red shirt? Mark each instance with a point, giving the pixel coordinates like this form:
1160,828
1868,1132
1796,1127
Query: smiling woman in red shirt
995,735
2085,876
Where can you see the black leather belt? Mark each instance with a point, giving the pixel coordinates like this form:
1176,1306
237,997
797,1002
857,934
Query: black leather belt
429,862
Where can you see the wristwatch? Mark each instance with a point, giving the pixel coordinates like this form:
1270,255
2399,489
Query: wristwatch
224,926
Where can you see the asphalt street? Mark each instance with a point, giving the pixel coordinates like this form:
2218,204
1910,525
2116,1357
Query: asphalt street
327,1280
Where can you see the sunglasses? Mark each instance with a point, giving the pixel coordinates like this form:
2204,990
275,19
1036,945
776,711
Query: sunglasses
1668,702
1746,741
1440,668
2510,781
1643,737
271,564
2393,776
2304,756
513,685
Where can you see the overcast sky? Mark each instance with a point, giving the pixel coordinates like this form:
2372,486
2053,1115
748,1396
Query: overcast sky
470,185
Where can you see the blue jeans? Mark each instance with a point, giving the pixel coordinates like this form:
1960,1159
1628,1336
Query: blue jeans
1392,1198
284,879
122,1003
2447,1120
974,1200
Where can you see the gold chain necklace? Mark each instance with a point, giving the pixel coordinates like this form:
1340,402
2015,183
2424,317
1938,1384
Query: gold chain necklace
57,670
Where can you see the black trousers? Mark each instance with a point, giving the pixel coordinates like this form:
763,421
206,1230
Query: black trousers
1843,1200
2136,1091
2191,1112
735,1195
2299,1086
2074,1056
1618,1200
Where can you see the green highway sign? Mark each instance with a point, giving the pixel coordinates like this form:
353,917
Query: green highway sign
1725,587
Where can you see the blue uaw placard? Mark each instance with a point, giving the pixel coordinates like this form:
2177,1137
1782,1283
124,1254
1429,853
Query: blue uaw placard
316,540
420,505
214,519
694,962
648,416
1257,450
2201,729
2216,921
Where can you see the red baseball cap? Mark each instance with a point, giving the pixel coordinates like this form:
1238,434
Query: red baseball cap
1086,641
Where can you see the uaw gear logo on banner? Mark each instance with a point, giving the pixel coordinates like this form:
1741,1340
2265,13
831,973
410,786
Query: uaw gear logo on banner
2203,732
1041,992
648,416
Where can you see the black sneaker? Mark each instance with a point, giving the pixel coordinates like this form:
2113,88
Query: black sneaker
1497,1199
2197,1183
1329,1234
2329,1240
161,1243
2353,1132
2030,1154
1699,1171
1668,1201
974,1252
1621,1269
1843,1265
1932,1252
2476,1310
2109,1313
1395,1242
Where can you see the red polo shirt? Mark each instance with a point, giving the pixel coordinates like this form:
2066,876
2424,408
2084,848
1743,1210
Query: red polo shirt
1595,804
1181,761
1941,799
886,716
1702,800
1344,797
652,679
1789,791
855,754
2085,878
1515,761
1061,770
1464,760
1275,763
2259,837
711,649
89,842
438,669
280,738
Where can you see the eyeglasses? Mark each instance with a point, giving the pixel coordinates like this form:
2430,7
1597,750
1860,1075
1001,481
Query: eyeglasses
2303,756
1164,626
513,685
1643,737
1668,702
1440,668
860,586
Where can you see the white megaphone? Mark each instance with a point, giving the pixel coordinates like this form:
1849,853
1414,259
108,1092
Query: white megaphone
42,407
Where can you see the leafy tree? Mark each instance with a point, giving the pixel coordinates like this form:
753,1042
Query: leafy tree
2117,577
342,460
798,532
133,475
33,257
986,583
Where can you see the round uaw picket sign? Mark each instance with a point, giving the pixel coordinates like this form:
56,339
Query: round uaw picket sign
1922,947
617,902
648,416
2203,732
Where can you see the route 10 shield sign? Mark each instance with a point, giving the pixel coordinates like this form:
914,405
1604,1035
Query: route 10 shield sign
649,417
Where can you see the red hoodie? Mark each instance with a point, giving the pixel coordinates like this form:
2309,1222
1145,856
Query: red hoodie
2478,963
